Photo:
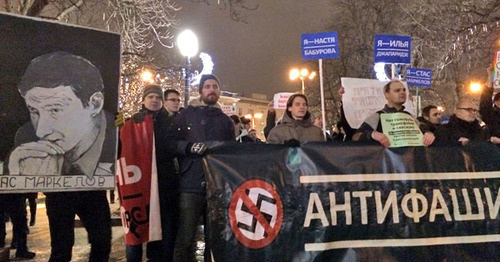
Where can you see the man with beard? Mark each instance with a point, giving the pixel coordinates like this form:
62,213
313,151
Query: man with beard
371,129
201,121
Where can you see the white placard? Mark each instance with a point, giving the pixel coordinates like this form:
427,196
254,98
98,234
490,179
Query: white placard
363,97
280,100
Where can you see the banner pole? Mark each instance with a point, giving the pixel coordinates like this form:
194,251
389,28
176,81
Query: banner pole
418,102
320,65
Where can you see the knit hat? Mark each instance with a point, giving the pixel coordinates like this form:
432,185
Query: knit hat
206,77
152,89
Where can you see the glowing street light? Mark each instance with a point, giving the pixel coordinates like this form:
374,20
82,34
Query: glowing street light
147,76
188,45
302,75
475,87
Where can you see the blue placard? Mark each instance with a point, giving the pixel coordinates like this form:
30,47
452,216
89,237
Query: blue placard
419,77
319,45
392,49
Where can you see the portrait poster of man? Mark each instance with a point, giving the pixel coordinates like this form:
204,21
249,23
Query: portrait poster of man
58,97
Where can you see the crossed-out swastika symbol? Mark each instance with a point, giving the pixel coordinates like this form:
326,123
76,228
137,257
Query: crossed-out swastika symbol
255,213
267,216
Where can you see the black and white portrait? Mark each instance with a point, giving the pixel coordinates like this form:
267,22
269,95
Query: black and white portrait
58,103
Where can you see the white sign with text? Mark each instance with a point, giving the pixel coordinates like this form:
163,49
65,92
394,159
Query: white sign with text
280,100
363,97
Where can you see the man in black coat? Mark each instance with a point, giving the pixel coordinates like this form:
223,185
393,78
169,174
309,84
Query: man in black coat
200,122
490,114
463,126
168,180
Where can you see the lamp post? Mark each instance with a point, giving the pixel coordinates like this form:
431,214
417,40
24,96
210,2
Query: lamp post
302,75
188,45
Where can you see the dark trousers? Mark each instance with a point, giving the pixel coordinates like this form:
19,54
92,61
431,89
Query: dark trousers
15,206
93,210
162,250
192,207
32,204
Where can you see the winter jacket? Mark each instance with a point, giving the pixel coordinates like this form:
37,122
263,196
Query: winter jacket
168,179
270,123
426,126
196,124
300,130
448,134
349,131
490,114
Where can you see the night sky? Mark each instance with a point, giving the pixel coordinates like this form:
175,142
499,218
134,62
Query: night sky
256,57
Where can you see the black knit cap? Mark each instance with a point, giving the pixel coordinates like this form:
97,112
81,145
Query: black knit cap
152,89
205,78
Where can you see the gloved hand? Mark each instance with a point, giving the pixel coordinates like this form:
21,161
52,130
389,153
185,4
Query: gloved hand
119,119
198,149
292,142
139,117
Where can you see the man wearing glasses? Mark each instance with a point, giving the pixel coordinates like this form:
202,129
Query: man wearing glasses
463,126
172,101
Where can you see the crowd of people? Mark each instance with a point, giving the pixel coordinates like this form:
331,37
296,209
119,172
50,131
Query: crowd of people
204,121
180,136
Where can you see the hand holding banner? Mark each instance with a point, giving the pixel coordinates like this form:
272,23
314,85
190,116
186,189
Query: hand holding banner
138,183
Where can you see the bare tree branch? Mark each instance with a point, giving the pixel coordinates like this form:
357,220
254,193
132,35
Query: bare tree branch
72,8
237,8
36,8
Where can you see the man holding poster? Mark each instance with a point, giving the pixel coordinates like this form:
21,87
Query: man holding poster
372,130
147,181
66,137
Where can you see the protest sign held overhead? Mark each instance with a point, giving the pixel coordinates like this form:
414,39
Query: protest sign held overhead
280,100
392,49
320,45
419,77
363,97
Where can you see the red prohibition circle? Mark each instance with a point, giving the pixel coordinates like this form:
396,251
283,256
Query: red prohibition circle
264,231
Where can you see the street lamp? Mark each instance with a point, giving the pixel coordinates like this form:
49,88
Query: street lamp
188,45
147,76
475,87
302,75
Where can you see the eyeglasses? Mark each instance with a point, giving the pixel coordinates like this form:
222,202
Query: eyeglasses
173,99
468,109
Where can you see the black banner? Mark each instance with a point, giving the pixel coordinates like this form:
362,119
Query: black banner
351,202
